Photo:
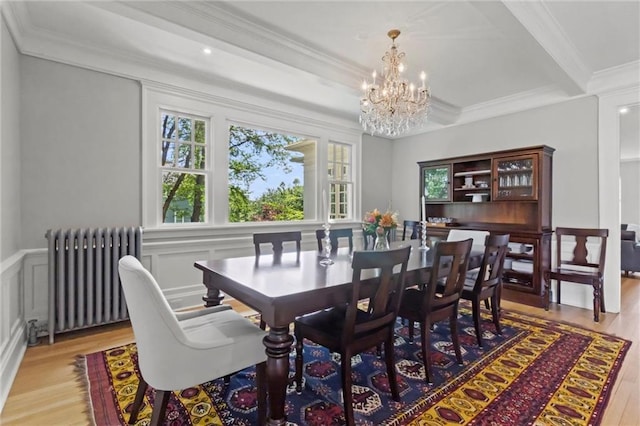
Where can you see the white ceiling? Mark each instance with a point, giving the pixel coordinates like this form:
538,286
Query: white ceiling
483,58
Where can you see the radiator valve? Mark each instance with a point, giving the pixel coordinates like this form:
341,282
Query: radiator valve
33,333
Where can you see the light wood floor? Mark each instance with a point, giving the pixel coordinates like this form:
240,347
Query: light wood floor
47,390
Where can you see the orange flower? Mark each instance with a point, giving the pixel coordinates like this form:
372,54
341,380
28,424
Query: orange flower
374,219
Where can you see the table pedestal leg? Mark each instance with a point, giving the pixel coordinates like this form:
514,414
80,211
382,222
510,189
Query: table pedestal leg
213,297
278,343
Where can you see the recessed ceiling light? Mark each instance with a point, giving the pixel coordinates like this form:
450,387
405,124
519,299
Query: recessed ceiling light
623,110
206,51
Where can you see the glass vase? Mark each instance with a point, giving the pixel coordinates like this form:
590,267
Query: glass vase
382,240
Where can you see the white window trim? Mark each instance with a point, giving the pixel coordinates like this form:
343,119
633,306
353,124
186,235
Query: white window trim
220,113
153,103
351,203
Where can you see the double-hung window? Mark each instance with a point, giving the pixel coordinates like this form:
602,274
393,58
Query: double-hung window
183,167
340,165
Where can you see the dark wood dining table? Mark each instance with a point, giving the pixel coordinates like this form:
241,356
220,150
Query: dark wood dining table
282,288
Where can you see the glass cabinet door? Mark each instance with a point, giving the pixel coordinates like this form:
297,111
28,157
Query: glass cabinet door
516,178
435,183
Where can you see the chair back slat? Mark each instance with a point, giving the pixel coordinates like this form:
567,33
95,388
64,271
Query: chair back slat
580,253
490,272
384,300
276,239
334,236
415,229
449,271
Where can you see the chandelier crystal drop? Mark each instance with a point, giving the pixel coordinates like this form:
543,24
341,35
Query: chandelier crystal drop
395,105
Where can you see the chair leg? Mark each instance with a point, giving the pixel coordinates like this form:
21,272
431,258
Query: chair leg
475,308
299,360
410,331
547,291
137,402
261,385
558,286
596,301
391,368
346,388
159,407
425,334
263,325
453,321
495,312
486,304
602,309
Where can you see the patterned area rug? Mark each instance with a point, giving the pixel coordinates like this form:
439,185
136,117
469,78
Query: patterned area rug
537,372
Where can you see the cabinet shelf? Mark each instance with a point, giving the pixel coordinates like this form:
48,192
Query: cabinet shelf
514,187
472,173
477,188
520,256
514,171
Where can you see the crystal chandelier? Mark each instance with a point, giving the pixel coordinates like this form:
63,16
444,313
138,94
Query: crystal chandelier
394,106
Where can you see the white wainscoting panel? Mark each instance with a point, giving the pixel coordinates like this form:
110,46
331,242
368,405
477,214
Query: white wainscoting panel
36,289
13,341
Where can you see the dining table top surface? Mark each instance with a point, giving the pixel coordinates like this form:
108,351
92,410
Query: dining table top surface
295,283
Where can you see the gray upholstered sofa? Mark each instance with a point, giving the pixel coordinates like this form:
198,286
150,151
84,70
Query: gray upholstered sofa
629,252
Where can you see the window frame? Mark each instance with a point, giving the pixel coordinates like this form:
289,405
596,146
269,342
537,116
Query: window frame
331,180
175,168
307,189
221,113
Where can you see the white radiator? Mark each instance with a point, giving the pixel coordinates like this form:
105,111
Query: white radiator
84,286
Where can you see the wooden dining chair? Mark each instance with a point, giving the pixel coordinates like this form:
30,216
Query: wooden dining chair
487,283
334,235
415,228
350,330
276,239
427,306
576,266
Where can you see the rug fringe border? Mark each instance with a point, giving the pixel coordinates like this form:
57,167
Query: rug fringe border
80,367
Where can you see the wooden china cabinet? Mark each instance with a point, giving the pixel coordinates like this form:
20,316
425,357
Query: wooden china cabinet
502,192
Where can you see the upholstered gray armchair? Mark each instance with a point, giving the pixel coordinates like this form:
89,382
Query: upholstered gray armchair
629,252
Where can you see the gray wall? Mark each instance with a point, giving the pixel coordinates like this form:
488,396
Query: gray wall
376,173
80,149
9,147
630,191
569,127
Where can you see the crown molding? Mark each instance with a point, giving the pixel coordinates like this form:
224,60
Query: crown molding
220,21
17,19
626,75
536,18
44,44
443,112
512,103
138,68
